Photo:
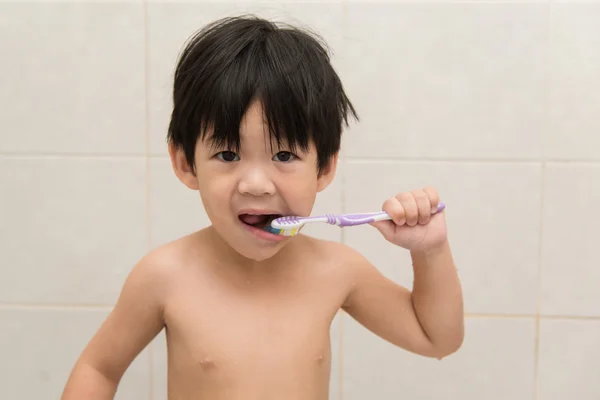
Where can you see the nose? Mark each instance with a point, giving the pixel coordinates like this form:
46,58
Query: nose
256,182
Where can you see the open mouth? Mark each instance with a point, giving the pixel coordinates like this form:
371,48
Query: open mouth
259,221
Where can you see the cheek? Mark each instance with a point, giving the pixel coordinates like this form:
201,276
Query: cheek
300,192
215,193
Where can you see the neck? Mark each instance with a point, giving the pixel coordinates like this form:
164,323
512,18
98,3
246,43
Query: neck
246,267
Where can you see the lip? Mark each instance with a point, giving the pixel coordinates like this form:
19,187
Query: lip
259,211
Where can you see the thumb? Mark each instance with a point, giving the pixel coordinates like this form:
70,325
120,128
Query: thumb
386,228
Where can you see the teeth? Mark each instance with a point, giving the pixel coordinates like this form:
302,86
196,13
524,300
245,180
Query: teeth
265,214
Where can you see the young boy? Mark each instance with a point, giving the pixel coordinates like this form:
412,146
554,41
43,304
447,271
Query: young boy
256,126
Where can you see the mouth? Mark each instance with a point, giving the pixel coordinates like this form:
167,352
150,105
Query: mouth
258,220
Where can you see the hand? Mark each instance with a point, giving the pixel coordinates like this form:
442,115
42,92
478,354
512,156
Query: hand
415,225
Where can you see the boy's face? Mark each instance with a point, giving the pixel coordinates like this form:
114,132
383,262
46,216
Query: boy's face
258,179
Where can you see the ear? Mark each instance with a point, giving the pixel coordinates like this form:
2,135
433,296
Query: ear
184,172
327,173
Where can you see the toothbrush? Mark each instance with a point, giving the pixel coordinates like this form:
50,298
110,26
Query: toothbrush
291,225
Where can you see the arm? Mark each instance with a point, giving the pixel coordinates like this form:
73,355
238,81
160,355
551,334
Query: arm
427,321
134,321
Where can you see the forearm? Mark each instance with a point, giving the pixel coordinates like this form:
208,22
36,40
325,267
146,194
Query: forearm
437,298
86,382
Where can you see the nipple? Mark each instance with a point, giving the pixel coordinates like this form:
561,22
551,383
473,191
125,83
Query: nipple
207,363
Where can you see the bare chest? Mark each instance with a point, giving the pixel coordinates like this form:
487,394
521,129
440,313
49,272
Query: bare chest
247,337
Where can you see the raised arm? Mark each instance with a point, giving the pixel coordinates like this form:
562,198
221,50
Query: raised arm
428,320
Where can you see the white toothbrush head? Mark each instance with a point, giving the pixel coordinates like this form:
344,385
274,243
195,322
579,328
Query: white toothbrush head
286,226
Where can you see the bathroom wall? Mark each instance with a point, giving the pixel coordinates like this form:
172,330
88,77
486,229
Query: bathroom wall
495,103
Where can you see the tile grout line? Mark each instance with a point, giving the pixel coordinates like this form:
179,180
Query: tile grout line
340,355
353,159
536,349
534,316
458,160
340,360
150,359
84,156
108,307
344,158
56,307
538,315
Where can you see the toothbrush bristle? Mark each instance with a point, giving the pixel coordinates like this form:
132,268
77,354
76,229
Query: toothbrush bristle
287,220
270,229
287,223
281,232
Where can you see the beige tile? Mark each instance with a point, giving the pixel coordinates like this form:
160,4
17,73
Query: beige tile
40,347
570,259
461,80
72,77
335,377
574,84
72,228
493,216
496,362
159,363
175,210
171,23
569,360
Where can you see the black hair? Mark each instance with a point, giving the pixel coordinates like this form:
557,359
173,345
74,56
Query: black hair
235,60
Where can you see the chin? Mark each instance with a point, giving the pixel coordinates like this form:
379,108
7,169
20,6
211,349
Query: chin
260,251
260,255
257,254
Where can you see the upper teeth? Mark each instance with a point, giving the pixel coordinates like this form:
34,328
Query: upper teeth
262,214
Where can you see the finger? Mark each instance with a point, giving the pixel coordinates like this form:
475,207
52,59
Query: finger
434,197
423,206
409,205
395,210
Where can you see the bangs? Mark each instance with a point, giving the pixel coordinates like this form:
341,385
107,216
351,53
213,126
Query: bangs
233,63
260,73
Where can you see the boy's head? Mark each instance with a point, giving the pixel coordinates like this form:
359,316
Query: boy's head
257,122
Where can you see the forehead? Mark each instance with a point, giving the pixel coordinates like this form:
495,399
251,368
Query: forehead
254,126
254,133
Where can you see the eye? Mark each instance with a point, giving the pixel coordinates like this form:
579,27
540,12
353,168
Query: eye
284,156
228,156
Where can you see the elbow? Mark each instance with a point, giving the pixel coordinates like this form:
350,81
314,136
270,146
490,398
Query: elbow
444,347
447,348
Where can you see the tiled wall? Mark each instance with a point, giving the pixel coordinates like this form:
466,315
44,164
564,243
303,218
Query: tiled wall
496,103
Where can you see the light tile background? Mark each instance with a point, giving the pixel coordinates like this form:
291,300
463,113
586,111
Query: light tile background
496,103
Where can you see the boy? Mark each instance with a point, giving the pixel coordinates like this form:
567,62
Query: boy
255,129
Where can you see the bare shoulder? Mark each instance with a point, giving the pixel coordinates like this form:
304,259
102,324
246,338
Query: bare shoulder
336,250
160,268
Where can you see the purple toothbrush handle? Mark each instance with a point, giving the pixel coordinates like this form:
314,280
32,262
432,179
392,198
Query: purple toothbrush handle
356,219
359,219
